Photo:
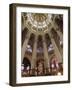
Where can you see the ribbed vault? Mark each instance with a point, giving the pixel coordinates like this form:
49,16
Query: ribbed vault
42,39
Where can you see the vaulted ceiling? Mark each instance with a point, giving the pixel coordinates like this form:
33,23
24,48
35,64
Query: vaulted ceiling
44,26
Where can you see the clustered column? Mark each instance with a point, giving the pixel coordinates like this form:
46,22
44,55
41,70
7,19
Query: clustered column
54,25
23,49
34,53
57,53
46,56
57,30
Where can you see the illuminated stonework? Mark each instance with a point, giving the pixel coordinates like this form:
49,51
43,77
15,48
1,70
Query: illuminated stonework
39,17
42,44
39,22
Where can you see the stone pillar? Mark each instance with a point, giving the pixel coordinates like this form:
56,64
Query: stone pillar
34,53
46,57
61,38
23,24
57,53
57,29
23,49
59,34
